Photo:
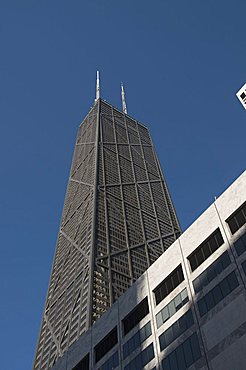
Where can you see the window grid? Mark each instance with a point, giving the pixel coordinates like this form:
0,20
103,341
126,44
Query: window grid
175,330
240,245
135,341
172,307
217,294
135,316
211,272
142,359
237,219
184,355
169,284
206,249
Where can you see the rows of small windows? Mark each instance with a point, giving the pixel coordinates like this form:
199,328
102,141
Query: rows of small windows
175,330
237,219
135,341
206,249
172,307
240,245
142,359
212,272
217,294
169,284
185,355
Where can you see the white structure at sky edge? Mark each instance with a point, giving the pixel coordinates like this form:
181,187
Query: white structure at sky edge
241,94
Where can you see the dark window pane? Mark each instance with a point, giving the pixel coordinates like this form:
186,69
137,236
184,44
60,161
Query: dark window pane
217,294
233,225
166,364
232,280
225,288
173,361
174,278
239,246
187,353
206,251
240,219
83,364
213,244
202,307
106,344
200,257
193,263
244,267
214,241
135,316
237,219
209,301
195,347
180,358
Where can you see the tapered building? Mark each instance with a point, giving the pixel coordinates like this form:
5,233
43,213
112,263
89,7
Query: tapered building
118,218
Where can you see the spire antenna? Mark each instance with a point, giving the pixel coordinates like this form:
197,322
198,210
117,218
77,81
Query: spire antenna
98,87
123,99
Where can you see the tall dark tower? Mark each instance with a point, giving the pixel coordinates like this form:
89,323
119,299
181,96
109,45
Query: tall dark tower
118,218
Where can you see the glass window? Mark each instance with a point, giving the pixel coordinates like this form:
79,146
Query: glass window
136,340
135,316
175,330
211,272
240,245
170,283
142,359
106,344
220,291
244,267
237,219
208,247
83,364
172,307
186,354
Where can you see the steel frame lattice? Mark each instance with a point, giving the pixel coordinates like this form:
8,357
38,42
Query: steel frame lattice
118,218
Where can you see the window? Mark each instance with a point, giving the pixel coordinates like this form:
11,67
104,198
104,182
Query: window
111,363
244,267
237,219
240,245
184,355
83,364
172,307
169,284
106,344
136,340
219,292
206,249
142,359
211,272
174,331
135,316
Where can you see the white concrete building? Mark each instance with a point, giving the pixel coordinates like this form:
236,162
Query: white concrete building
241,94
188,310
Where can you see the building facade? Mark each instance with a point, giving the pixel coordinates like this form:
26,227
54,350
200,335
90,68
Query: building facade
118,218
188,310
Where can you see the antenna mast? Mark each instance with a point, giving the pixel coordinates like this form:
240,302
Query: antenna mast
123,99
97,87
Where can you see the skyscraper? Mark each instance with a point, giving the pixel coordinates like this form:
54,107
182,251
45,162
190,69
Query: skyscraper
118,218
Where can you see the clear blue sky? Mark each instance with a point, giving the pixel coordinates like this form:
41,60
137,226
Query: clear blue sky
182,63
